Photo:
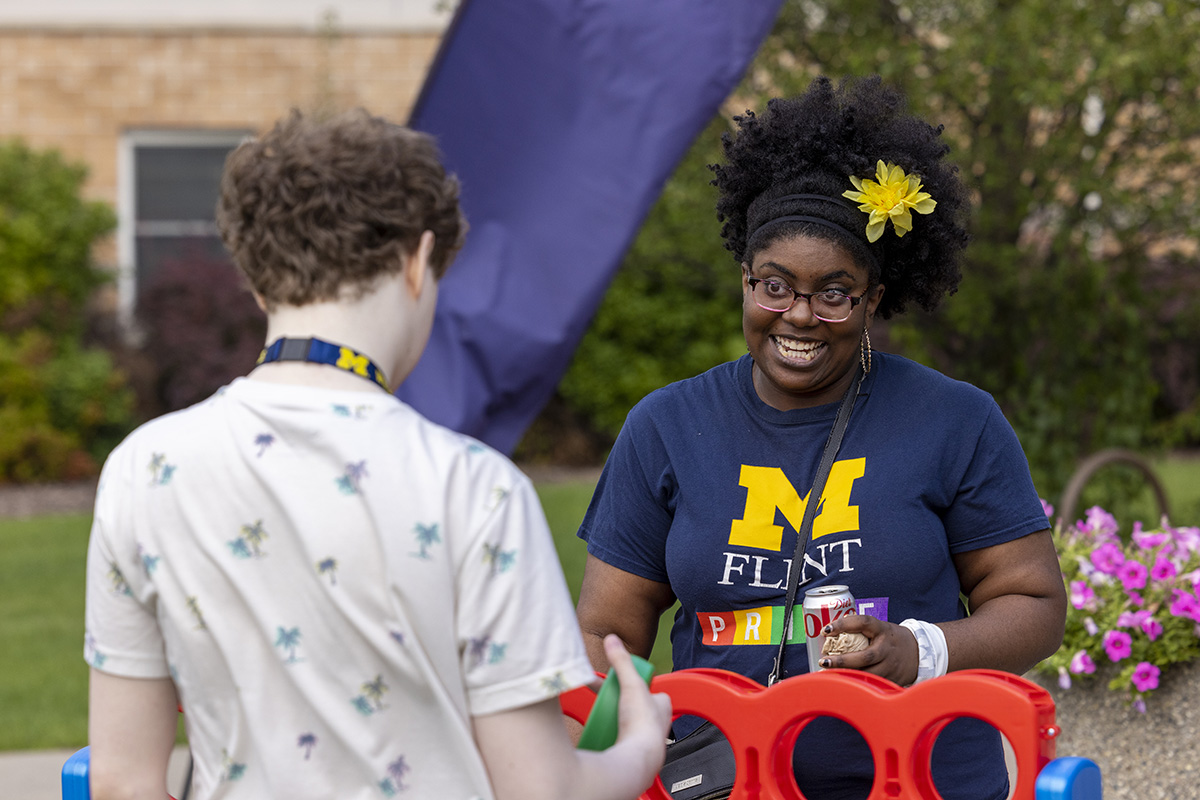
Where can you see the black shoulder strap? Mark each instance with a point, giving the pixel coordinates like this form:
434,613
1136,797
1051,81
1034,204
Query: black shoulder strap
810,511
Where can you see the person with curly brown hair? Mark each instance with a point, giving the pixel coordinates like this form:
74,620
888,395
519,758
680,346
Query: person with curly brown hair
346,599
839,206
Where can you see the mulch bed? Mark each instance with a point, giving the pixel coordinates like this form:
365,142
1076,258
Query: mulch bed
1151,756
23,501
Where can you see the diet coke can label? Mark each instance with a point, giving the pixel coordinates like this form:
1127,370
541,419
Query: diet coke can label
822,605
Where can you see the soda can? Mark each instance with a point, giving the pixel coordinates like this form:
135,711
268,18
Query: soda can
822,605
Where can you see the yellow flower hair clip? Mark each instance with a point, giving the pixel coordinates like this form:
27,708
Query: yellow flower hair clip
890,196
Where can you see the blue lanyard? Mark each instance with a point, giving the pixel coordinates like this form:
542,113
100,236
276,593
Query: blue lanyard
316,351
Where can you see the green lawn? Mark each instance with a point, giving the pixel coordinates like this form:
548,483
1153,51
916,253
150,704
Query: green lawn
1180,478
565,504
43,680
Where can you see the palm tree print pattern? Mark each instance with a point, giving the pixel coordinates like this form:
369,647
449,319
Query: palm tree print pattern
307,742
350,481
371,699
288,639
499,493
555,684
328,566
149,562
500,560
249,541
160,470
358,412
193,606
262,442
90,654
484,651
117,578
375,690
427,535
231,770
394,782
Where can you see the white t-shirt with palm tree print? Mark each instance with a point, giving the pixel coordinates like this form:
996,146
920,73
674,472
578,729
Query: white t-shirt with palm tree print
335,585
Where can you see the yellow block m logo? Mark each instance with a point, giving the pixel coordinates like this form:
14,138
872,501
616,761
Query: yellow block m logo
768,490
350,360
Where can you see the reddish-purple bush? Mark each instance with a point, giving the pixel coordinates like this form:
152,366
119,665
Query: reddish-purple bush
202,329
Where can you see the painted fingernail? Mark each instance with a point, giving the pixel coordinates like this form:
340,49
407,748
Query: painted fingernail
825,662
829,629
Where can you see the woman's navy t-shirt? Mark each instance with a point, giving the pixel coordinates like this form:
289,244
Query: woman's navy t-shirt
705,489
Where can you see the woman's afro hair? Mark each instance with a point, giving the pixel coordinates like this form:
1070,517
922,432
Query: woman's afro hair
812,144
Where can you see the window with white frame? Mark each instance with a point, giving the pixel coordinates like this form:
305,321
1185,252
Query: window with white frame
168,188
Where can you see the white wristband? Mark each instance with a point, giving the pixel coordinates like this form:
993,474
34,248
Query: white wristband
933,656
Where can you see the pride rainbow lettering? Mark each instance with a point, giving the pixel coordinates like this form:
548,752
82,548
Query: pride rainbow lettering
764,625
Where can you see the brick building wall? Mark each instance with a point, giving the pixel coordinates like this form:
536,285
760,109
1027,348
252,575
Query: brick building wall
79,91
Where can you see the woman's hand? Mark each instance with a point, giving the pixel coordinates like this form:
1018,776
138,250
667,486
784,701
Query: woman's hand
1017,604
891,652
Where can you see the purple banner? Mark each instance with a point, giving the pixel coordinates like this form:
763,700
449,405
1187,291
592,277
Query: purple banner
563,119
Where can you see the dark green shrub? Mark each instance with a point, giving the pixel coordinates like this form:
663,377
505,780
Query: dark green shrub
65,404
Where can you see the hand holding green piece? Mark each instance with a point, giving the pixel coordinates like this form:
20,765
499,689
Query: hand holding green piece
600,730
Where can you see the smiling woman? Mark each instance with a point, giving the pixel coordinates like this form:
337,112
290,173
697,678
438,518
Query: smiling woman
802,358
703,498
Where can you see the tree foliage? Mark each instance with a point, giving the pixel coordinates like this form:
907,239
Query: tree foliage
64,405
1077,125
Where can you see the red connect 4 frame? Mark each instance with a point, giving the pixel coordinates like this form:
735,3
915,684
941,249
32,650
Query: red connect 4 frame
899,725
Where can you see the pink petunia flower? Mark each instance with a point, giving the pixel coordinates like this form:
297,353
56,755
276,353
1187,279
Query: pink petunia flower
1133,575
1100,523
1139,705
1047,509
1108,558
1145,677
1185,604
1082,595
1148,540
1132,619
1118,645
1163,569
1064,679
1090,626
1152,628
1187,539
1081,663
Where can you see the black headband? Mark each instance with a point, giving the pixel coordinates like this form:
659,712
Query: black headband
861,236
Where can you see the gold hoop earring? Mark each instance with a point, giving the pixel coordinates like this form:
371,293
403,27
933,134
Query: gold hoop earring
864,351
